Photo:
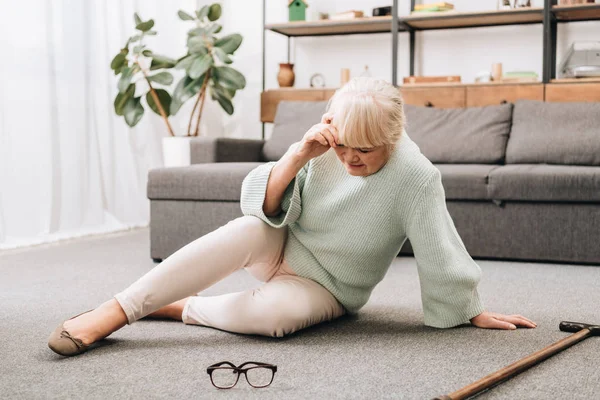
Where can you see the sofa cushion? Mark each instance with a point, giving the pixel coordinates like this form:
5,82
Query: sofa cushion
465,181
473,135
542,182
213,181
292,120
554,133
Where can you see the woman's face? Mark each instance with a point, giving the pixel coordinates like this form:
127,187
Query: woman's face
362,162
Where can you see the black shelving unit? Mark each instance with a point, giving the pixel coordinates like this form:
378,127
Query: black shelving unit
549,16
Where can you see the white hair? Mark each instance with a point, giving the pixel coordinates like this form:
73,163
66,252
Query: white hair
367,112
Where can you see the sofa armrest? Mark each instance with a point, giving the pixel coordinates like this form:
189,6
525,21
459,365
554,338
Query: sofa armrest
211,150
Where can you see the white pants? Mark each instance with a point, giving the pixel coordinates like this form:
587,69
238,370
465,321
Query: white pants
283,305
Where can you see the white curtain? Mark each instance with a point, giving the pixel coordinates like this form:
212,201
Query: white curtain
68,165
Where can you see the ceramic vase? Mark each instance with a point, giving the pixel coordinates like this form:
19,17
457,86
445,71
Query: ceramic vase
286,75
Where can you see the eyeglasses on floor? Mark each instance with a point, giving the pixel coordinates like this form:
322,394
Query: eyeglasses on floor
225,375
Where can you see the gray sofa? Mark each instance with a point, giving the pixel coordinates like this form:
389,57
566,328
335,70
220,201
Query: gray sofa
522,181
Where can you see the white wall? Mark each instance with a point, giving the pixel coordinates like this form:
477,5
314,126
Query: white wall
462,52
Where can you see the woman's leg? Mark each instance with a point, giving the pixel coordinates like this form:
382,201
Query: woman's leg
283,305
198,265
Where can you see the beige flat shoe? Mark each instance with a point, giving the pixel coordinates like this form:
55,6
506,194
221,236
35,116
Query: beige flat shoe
61,341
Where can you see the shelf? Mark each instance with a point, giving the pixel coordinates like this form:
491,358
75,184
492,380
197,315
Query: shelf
334,27
578,12
451,19
456,84
575,80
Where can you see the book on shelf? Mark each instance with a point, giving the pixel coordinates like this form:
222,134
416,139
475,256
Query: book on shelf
431,79
442,4
347,15
433,11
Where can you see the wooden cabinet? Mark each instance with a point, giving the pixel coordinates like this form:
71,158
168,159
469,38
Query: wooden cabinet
488,95
566,92
435,96
269,99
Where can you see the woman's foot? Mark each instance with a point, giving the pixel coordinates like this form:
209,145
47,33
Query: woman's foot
97,324
170,311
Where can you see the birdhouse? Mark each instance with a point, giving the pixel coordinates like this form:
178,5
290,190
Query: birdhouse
297,10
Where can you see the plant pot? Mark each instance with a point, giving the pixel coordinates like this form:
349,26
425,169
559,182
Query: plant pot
286,75
176,151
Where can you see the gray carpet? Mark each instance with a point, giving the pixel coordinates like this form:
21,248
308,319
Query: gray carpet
384,352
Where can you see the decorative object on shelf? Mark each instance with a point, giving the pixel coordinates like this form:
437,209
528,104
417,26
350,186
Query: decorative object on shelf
297,10
286,76
433,8
582,60
352,14
520,76
503,5
366,72
431,79
323,15
497,71
382,11
344,76
522,3
483,77
574,2
317,80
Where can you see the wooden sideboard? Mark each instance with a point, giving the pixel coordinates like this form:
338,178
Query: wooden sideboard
453,95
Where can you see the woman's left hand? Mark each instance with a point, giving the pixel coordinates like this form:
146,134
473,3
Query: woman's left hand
492,320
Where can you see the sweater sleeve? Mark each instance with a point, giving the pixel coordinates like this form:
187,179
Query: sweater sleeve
254,189
447,273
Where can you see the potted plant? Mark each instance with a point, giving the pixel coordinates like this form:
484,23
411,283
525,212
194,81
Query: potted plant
206,69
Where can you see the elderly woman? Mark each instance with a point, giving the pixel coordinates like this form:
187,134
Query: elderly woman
321,227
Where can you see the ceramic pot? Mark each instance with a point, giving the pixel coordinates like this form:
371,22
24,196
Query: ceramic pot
176,151
286,75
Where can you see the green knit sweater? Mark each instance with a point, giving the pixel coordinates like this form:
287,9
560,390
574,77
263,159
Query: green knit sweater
344,231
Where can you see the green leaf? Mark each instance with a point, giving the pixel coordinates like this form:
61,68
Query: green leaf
122,98
184,16
186,89
229,77
220,90
225,103
164,59
163,97
197,32
214,28
135,38
152,33
185,62
160,62
164,78
145,26
196,44
215,12
226,92
229,43
200,66
147,53
125,79
133,111
137,19
221,55
118,61
202,13
138,49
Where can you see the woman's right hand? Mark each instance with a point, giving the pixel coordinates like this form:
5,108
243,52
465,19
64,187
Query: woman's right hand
318,139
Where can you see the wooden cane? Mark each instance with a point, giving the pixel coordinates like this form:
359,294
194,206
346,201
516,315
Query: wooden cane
582,330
